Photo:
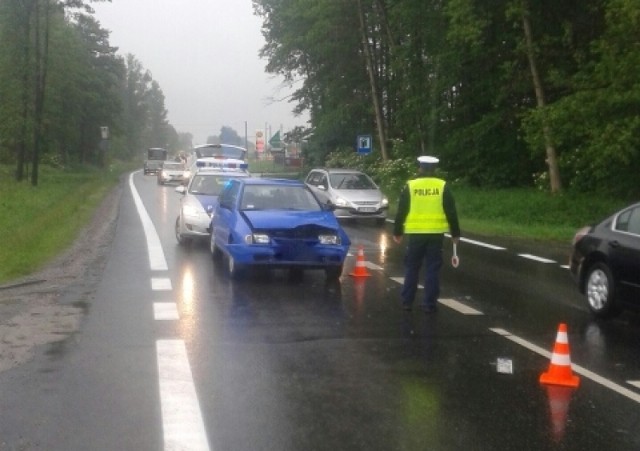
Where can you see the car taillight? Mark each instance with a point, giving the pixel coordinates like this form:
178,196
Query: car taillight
580,234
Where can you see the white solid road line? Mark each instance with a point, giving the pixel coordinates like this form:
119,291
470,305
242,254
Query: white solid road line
182,423
156,254
576,368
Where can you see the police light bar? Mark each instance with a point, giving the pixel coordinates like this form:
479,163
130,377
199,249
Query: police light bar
222,164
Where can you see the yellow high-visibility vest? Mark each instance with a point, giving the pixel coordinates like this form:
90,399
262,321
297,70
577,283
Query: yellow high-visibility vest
426,213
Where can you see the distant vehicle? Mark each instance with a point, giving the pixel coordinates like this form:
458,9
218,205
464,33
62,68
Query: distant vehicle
171,171
155,157
212,154
605,262
351,192
276,224
198,202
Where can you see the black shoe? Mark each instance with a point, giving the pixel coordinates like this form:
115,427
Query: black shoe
429,309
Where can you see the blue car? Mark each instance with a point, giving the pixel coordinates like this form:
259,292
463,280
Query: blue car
276,224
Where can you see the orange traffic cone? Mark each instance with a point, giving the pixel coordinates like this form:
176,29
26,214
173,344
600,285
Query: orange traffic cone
360,270
559,372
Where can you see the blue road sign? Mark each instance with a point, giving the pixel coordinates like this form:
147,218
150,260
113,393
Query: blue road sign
365,144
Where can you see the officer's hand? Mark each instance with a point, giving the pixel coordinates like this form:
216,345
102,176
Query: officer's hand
397,239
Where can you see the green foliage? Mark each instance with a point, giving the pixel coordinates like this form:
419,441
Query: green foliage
454,80
86,86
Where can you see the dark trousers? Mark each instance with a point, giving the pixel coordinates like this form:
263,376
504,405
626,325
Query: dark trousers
421,248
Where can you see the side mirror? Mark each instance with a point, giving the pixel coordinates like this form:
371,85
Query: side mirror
181,189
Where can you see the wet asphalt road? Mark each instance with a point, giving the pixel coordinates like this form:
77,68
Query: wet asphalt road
280,364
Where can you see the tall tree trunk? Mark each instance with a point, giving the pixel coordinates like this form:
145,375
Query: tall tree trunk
380,124
21,145
552,158
41,56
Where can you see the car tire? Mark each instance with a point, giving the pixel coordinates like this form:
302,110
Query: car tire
182,240
599,288
333,272
216,253
235,270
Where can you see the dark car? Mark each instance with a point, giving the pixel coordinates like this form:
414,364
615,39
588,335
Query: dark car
276,224
605,262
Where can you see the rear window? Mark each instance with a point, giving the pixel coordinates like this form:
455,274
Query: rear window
156,154
220,151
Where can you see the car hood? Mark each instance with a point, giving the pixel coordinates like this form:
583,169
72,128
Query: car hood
283,219
208,203
369,195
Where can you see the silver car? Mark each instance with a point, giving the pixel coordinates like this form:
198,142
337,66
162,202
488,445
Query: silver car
351,193
199,200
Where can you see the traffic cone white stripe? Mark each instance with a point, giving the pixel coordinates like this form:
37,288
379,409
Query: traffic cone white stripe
561,359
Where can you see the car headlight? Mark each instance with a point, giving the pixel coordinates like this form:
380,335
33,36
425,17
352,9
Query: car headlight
385,201
329,239
257,238
190,210
340,202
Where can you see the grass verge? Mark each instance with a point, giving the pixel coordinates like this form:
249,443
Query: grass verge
38,223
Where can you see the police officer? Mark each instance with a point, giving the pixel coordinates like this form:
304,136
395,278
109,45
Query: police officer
426,211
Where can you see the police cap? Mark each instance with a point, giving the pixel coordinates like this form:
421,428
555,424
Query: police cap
426,160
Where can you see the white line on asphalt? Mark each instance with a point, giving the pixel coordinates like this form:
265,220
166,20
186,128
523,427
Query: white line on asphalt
634,383
459,307
165,311
160,284
182,423
451,303
370,265
156,254
576,368
480,243
536,258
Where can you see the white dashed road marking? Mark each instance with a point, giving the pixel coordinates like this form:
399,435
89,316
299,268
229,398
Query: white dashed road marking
164,311
182,423
536,258
160,284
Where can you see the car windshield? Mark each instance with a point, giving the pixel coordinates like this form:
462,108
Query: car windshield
220,151
278,197
155,153
351,181
209,184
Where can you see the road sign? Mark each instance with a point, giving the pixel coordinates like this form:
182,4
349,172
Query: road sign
365,144
275,141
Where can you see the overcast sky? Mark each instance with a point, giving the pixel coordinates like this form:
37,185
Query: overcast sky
204,55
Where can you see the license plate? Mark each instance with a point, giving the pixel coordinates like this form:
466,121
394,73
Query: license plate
367,209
